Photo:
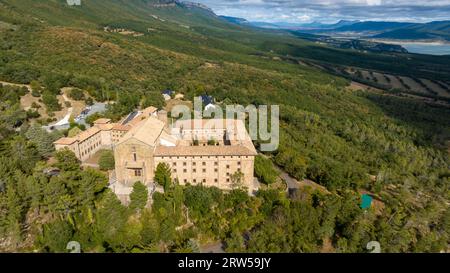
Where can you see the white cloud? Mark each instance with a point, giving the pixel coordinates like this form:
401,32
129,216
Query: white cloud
332,10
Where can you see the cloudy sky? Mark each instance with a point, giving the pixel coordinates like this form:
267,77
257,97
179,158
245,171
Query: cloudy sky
301,11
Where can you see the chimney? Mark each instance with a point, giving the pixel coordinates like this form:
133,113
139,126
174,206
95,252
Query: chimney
162,116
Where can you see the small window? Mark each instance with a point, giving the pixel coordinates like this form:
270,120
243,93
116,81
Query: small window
216,180
204,163
228,166
194,163
204,170
216,170
184,170
204,180
216,163
138,172
184,163
134,157
239,163
194,170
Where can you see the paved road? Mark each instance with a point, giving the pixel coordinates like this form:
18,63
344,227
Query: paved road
291,182
66,118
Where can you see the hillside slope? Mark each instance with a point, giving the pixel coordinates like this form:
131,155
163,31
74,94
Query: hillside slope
439,30
346,141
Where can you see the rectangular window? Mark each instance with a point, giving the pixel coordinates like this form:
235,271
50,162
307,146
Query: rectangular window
204,163
216,170
138,172
204,170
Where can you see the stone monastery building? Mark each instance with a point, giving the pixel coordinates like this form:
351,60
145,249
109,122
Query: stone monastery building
198,151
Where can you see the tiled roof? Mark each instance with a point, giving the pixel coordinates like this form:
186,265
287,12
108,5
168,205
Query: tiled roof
120,127
105,127
65,141
102,121
147,131
80,137
149,110
203,150
88,133
198,124
235,128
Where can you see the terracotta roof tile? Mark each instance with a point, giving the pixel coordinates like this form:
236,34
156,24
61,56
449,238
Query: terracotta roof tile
65,141
102,121
120,127
88,133
203,150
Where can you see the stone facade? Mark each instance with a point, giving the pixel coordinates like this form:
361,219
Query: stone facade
102,135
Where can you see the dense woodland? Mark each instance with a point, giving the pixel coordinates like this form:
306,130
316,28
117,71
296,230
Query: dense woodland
349,142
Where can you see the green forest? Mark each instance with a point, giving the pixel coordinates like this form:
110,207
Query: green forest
349,142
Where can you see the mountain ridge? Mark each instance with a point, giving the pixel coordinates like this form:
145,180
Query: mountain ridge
434,30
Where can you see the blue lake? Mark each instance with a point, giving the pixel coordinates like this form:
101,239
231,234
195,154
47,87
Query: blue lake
427,48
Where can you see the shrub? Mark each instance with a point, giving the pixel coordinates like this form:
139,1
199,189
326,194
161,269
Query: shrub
76,94
106,161
265,170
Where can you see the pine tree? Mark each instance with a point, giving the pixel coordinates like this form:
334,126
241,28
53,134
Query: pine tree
41,139
163,175
67,161
139,197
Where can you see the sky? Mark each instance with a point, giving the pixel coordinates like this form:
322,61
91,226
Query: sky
330,11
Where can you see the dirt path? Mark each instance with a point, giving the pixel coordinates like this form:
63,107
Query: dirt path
66,118
62,116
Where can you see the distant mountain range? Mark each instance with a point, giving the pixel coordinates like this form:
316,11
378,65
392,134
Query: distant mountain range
437,30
